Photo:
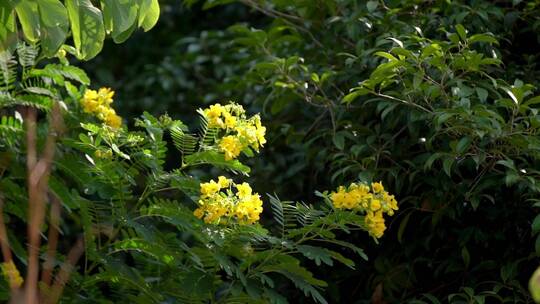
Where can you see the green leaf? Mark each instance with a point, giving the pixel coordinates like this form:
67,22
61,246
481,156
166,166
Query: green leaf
483,38
355,94
537,245
461,32
536,225
120,16
86,27
217,159
463,145
27,13
387,56
432,158
8,29
316,254
339,140
465,256
372,5
447,165
54,25
482,94
148,14
534,284
402,226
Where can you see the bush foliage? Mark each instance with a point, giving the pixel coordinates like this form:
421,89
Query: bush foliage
437,100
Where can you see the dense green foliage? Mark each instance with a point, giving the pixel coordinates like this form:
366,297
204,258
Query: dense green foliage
135,219
435,98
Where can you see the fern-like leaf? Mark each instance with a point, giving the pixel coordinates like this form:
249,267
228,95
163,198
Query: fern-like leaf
185,143
11,130
27,55
8,71
207,135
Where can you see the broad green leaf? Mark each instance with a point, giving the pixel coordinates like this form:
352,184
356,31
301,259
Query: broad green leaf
355,94
463,144
447,165
54,25
482,94
536,225
534,283
483,38
120,17
465,256
27,13
8,29
402,227
86,27
148,14
372,5
387,56
537,245
461,32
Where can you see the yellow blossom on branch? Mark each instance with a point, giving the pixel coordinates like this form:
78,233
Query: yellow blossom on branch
99,103
220,204
237,131
372,201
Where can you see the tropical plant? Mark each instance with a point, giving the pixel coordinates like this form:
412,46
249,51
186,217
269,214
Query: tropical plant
464,170
50,22
143,232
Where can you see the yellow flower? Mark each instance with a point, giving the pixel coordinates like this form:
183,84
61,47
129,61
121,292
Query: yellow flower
99,104
213,113
222,207
231,146
375,205
210,188
260,130
244,190
375,224
223,182
230,121
112,120
377,187
199,212
105,95
12,275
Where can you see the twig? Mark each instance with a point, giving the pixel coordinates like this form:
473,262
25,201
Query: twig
4,242
52,244
65,271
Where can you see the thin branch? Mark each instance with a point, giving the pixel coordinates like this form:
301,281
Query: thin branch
4,242
65,271
38,180
52,244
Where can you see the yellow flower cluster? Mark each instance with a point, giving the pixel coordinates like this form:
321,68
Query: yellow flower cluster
219,204
374,201
99,103
241,132
12,275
